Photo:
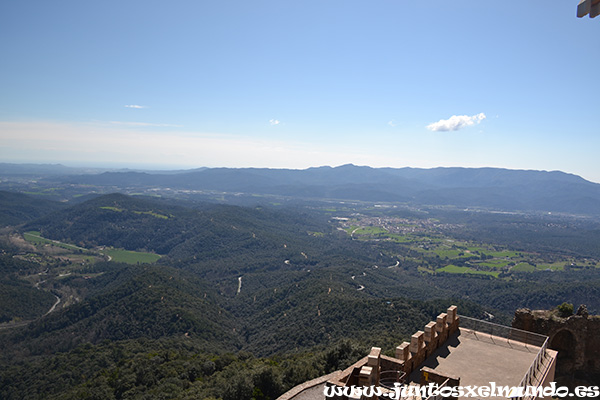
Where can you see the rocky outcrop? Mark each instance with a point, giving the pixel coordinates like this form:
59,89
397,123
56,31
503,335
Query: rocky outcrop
576,338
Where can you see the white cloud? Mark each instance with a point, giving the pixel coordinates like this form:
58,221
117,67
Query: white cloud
135,106
274,122
392,123
456,122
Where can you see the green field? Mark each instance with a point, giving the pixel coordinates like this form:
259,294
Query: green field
35,238
526,267
151,213
495,264
317,234
112,208
118,255
502,254
400,238
370,230
556,266
131,257
478,258
453,253
523,267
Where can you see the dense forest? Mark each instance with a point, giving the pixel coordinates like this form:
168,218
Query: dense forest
246,302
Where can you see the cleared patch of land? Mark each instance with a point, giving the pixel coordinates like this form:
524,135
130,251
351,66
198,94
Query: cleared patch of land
151,213
131,257
35,238
81,254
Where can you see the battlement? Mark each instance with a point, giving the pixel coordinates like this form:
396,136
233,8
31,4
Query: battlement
381,370
448,354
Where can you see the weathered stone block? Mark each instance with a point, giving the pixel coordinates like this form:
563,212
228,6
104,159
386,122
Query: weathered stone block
430,333
452,314
403,351
373,358
416,342
440,322
365,377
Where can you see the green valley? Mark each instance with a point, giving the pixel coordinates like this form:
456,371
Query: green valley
187,298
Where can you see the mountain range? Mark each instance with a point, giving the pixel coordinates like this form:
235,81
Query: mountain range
487,188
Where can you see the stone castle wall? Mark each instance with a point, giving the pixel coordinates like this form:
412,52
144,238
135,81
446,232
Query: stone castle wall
576,338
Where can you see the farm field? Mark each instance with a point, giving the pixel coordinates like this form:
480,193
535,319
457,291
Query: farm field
131,257
35,238
81,254
439,252
151,213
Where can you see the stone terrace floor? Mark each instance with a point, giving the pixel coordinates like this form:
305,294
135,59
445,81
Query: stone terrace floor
478,359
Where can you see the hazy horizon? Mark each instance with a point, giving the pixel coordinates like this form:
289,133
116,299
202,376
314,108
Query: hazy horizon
296,85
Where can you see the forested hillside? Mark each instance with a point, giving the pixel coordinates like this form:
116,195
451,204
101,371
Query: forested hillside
16,208
246,302
19,298
210,231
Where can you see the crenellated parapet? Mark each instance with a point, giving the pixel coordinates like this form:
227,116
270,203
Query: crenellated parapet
445,354
378,370
424,343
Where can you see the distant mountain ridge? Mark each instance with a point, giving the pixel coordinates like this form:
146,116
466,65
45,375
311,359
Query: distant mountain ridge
485,188
14,169
492,188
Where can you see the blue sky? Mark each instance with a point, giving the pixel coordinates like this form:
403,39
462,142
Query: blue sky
294,84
